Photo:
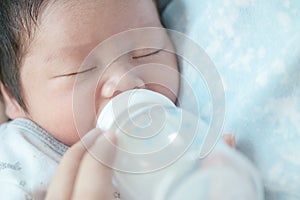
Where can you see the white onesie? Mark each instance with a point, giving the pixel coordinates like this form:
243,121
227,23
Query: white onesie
28,158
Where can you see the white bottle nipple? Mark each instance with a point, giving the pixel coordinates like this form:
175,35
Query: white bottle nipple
127,99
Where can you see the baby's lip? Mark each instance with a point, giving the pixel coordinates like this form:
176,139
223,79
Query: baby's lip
116,93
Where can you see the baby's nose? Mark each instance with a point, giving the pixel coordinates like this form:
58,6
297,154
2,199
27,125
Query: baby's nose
117,84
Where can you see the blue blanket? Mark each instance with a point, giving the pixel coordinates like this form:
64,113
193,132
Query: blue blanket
255,46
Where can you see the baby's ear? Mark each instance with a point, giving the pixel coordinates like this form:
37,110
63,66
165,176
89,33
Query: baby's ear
12,108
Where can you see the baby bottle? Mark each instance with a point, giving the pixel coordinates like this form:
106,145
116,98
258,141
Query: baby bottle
158,146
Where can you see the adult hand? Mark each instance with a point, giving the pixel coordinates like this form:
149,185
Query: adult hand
80,175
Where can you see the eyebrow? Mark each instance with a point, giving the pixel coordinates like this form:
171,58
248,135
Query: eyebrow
52,56
67,51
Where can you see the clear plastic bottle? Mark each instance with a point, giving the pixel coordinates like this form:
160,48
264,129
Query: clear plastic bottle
158,154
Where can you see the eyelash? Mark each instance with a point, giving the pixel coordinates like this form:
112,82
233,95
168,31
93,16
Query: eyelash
146,55
133,57
81,72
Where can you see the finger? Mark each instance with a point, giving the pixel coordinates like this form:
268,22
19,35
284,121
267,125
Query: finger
62,183
229,139
94,180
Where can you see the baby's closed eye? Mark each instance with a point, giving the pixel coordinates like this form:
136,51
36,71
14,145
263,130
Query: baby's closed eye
80,71
141,53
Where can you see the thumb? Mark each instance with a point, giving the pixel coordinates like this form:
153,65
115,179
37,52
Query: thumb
94,179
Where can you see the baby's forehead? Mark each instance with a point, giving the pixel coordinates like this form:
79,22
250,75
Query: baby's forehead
109,11
66,25
111,16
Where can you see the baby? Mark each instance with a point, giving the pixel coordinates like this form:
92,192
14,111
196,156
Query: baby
43,46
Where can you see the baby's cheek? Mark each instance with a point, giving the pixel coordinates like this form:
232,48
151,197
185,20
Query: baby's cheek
62,126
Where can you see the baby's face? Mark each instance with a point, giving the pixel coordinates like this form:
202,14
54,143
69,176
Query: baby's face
68,32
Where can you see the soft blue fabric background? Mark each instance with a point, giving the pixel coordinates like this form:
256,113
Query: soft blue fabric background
255,46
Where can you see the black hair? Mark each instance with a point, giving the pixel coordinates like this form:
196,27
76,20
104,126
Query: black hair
18,19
